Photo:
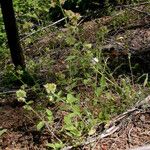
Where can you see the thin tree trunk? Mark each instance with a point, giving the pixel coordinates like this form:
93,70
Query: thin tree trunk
12,33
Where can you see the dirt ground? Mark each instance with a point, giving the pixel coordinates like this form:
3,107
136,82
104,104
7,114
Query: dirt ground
22,135
135,132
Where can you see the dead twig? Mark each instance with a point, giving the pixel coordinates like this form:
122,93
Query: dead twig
106,133
131,5
114,125
129,136
146,147
43,28
123,116
140,11
144,103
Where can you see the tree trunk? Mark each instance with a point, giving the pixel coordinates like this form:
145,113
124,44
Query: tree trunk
12,33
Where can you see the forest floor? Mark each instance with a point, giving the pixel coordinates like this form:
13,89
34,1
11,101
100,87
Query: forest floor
123,132
133,131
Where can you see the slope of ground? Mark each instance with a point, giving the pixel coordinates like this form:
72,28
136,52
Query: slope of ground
130,131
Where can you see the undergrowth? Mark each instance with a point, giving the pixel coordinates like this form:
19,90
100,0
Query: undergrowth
76,89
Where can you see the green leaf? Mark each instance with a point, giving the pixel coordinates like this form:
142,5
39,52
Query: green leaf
98,91
70,127
70,99
70,40
103,82
68,118
70,58
87,81
40,125
76,132
56,146
27,107
73,130
49,115
30,102
76,109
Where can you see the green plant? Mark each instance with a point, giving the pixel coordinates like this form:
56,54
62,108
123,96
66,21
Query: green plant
74,123
81,93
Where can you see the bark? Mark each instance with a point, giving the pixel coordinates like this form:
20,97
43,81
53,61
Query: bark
12,33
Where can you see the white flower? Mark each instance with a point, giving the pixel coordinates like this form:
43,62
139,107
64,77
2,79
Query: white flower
95,60
50,88
21,95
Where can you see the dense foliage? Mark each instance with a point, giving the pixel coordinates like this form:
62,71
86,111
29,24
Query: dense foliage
33,14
